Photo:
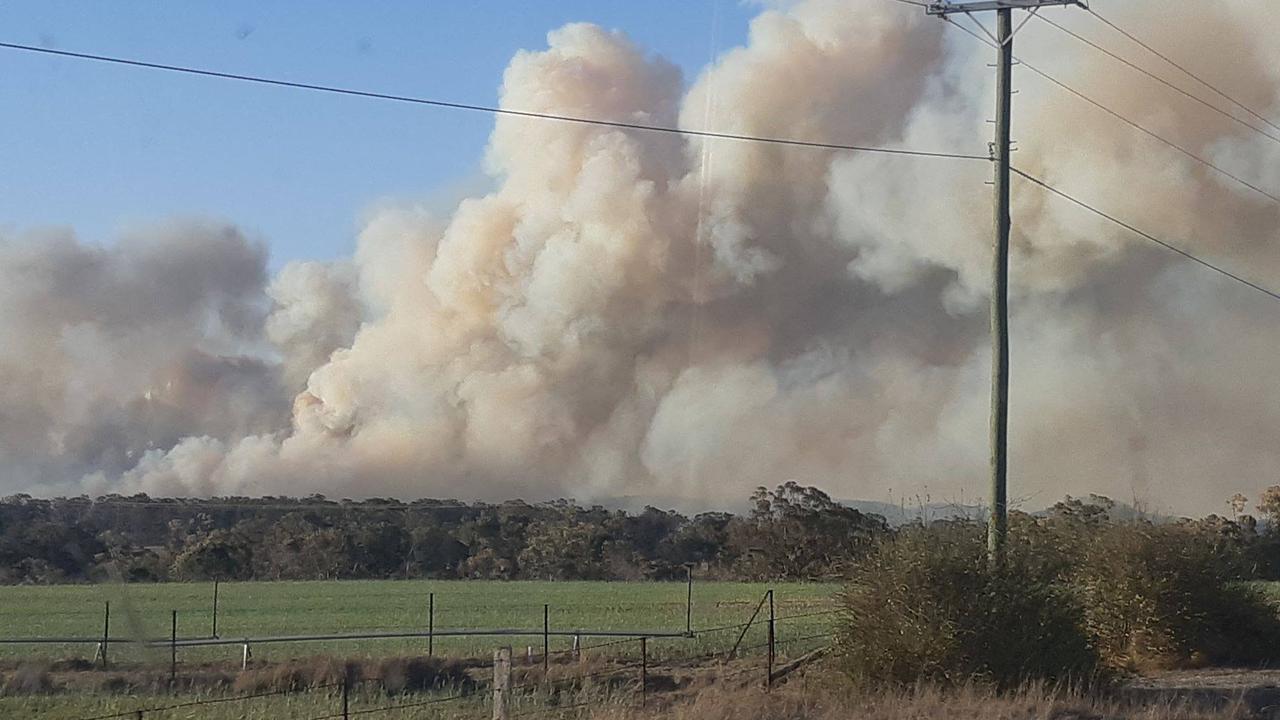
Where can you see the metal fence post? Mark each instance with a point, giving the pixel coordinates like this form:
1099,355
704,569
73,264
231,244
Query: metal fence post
546,639
173,651
346,696
501,682
431,623
106,631
688,602
215,608
768,678
644,670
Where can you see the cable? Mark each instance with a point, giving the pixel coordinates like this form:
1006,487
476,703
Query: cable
1168,246
555,708
1122,118
489,109
211,701
196,505
1185,71
389,708
1159,79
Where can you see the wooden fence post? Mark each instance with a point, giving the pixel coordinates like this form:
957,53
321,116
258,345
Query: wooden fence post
431,624
501,683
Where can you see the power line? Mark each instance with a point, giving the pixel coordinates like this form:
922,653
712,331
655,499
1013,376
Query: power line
1131,123
1160,80
1184,70
1166,245
490,109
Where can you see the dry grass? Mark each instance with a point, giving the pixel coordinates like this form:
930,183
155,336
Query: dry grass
824,698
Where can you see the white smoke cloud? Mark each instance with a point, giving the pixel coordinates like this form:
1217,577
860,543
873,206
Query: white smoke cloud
631,313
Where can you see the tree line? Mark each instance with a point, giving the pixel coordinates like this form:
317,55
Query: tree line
790,532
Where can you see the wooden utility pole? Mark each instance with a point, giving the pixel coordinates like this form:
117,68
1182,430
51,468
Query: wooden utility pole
998,524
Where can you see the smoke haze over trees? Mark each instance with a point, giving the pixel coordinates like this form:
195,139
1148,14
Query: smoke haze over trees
791,532
639,314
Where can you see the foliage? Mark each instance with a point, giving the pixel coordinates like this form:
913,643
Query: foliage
792,532
927,606
1080,591
1169,596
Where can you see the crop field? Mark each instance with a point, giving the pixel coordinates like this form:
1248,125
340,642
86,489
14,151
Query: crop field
256,609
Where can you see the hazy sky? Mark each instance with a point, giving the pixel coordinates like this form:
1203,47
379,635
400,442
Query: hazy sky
102,148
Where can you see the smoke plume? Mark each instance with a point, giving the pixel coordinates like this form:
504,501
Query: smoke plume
641,314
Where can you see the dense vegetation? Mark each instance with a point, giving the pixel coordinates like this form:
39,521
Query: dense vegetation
1079,597
791,532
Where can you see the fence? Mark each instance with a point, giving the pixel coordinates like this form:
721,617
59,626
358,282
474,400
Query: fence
557,682
102,643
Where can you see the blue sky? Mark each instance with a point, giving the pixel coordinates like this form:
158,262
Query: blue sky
103,148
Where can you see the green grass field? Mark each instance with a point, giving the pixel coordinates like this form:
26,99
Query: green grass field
294,608
290,608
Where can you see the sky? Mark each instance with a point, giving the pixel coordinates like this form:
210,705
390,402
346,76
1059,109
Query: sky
102,148
623,314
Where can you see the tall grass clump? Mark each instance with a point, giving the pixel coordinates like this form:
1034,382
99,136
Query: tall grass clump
926,606
1158,597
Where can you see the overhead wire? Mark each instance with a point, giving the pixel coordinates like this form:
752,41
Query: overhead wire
1132,123
1213,88
1148,236
447,104
1157,78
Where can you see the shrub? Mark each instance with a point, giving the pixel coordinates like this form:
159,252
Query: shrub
1165,596
926,606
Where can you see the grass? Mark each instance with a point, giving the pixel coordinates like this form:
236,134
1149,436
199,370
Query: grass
311,607
300,705
289,608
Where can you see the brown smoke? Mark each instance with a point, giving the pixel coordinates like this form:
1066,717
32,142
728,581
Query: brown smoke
640,314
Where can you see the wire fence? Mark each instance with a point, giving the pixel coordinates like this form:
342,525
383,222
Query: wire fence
618,670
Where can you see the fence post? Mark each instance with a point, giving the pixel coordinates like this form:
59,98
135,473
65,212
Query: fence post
501,682
768,678
215,608
644,670
106,631
431,624
245,654
688,602
346,696
173,651
577,647
139,715
546,639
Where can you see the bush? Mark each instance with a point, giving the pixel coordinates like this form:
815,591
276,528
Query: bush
1165,596
1077,600
926,606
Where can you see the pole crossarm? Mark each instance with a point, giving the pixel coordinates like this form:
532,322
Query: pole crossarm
949,8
